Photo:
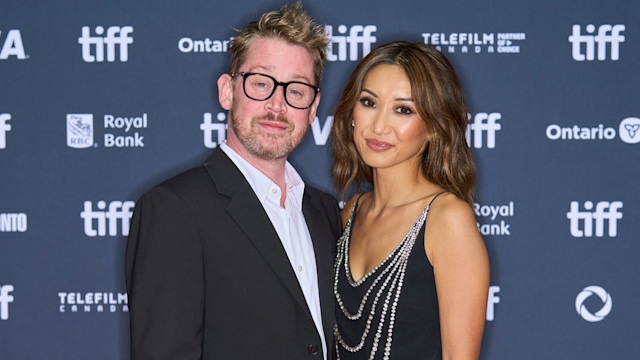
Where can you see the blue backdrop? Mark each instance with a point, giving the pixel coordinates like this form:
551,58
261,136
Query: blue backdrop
100,100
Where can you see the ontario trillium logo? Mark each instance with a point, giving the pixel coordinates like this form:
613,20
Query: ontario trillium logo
630,130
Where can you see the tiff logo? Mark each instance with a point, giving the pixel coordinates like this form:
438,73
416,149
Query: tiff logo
607,34
4,128
483,123
209,128
116,35
492,300
5,299
12,46
119,211
216,132
604,210
358,34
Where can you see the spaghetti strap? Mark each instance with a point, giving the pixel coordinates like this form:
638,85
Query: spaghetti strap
355,207
432,200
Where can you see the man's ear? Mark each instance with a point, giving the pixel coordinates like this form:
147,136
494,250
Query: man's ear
225,91
314,108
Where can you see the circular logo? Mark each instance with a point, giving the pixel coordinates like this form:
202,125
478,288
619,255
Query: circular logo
602,294
630,130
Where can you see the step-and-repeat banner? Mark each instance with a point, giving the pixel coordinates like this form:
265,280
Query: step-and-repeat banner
100,100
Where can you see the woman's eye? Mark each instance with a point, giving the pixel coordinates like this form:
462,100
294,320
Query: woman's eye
404,110
367,102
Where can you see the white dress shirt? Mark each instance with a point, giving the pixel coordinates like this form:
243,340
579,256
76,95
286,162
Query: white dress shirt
291,227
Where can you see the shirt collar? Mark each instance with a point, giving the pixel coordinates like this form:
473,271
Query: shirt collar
261,184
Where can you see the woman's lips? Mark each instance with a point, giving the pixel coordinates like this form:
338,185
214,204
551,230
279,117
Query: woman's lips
377,145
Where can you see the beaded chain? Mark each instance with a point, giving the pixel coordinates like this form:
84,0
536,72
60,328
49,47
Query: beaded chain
392,276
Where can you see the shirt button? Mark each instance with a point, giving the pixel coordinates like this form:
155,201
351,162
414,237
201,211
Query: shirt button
275,191
313,350
300,268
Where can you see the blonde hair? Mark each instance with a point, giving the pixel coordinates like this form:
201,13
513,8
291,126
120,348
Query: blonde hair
291,24
438,97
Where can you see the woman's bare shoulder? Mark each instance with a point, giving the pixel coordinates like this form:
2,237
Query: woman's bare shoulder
348,207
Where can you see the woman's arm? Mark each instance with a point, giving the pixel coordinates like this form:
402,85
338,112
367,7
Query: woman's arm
461,267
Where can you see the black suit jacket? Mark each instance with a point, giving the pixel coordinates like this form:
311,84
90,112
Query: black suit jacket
207,276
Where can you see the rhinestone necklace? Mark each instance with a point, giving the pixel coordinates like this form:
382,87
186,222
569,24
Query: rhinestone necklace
392,276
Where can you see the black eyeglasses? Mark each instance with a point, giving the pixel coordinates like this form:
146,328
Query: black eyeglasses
261,87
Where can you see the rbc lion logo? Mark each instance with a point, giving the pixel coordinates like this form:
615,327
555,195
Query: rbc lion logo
80,130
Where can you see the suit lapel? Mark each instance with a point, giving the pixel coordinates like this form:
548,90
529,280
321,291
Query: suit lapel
322,238
247,211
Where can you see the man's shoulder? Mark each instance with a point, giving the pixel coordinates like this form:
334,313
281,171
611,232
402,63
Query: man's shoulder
315,193
321,198
189,183
327,205
187,179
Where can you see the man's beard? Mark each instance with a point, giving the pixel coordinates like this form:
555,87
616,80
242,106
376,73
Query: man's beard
266,145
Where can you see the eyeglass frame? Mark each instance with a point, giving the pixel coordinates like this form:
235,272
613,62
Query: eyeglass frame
245,74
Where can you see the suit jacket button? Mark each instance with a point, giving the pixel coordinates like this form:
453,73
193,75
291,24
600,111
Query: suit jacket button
313,350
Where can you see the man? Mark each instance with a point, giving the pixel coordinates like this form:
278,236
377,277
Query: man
233,259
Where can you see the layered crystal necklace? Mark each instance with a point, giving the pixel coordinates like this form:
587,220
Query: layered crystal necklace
387,284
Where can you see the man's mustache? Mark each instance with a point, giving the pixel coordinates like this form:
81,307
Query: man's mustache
270,117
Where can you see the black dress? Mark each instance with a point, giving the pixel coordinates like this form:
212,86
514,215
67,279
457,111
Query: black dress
405,323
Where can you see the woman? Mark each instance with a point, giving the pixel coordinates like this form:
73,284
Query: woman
407,288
